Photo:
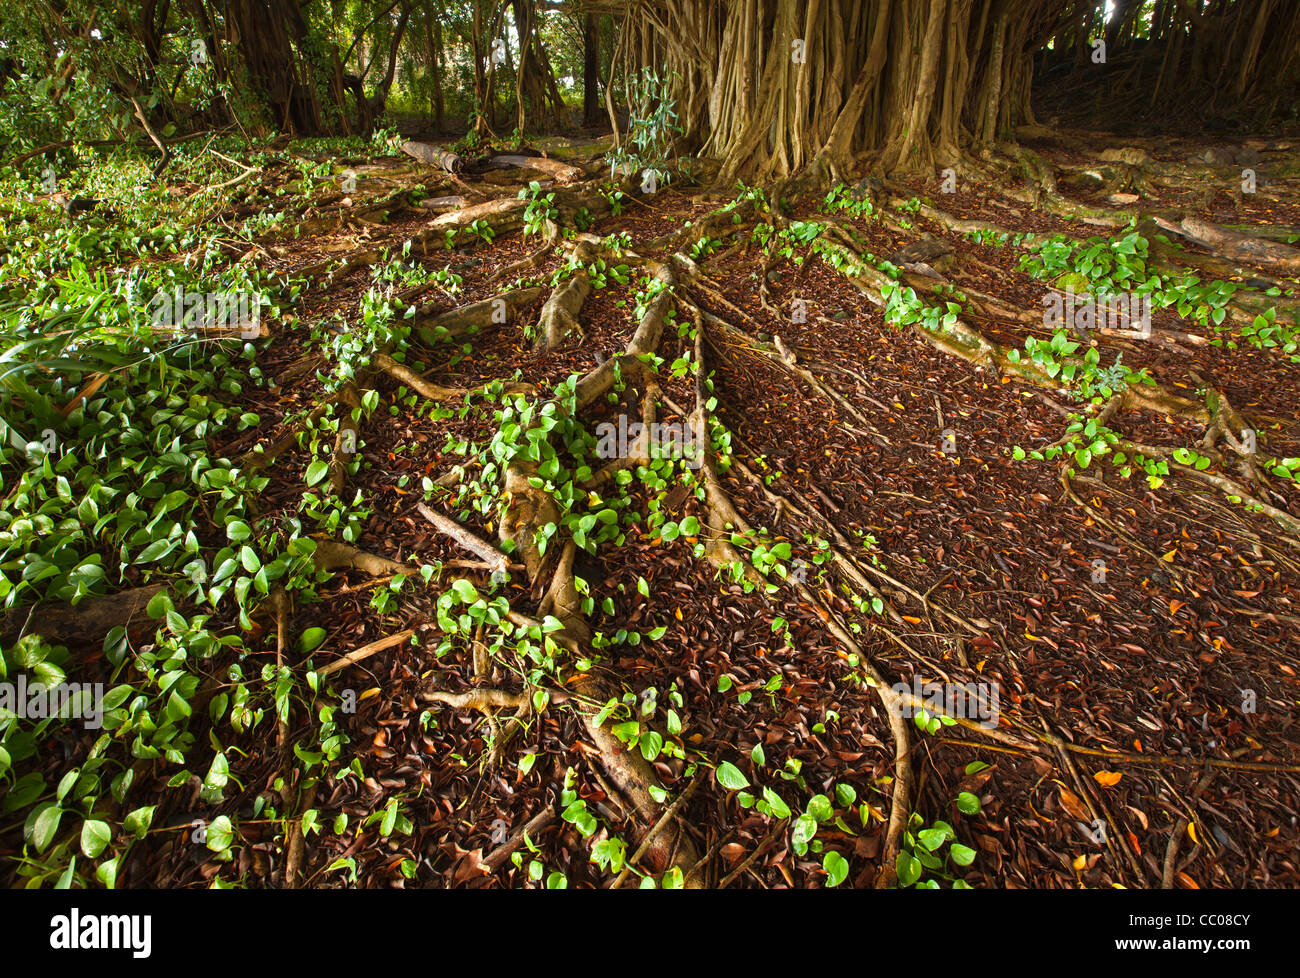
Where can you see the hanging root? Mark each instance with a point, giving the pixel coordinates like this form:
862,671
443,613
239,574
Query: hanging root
435,392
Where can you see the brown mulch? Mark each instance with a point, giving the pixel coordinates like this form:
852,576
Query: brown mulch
1199,603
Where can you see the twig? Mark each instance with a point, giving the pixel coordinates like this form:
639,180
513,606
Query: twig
664,819
497,857
1171,850
763,847
364,653
475,545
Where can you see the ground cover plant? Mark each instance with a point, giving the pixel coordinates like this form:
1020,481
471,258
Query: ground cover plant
666,445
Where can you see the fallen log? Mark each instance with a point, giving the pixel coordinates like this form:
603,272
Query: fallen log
454,202
1240,247
562,173
432,155
486,211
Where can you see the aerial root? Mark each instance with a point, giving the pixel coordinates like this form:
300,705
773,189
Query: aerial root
669,814
722,517
331,556
499,856
347,441
1171,850
788,362
638,450
1226,423
435,392
527,511
1165,258
294,843
483,699
962,341
255,460
514,268
365,652
1221,420
1241,247
559,317
434,327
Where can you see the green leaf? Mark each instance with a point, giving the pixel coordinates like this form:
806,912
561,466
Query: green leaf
159,605
932,839
652,742
106,873
95,836
836,866
220,834
909,869
804,831
154,551
464,590
317,471
218,772
819,807
138,821
961,855
310,639
968,804
775,802
42,824
730,777
23,792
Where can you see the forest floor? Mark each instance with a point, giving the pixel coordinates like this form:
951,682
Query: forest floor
1171,665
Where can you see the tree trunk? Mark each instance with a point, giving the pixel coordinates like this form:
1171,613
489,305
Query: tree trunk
591,70
268,31
434,26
